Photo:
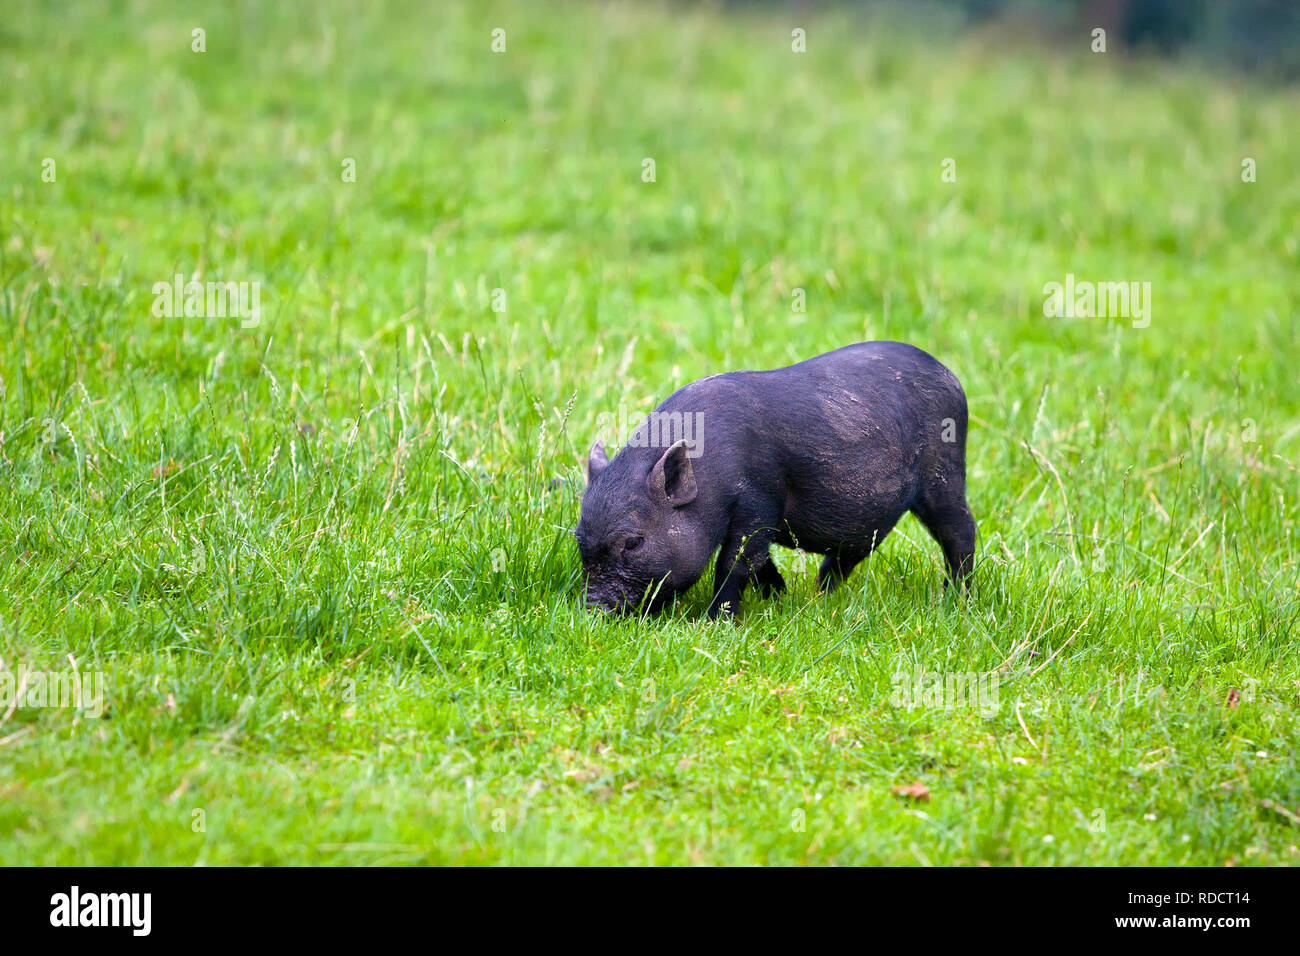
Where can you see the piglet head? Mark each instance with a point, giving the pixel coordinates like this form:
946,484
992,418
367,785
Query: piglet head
640,541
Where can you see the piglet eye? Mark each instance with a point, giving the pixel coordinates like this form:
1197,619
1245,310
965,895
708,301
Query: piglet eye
632,543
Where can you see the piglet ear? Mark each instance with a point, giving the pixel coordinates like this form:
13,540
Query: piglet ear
672,477
596,461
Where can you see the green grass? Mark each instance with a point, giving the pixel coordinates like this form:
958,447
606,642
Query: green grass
324,563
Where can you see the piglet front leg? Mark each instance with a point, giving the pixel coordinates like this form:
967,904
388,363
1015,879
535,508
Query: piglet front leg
744,557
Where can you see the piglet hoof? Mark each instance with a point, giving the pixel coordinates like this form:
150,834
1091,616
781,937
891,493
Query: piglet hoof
960,589
723,610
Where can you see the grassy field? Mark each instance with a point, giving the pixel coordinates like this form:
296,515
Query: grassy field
323,561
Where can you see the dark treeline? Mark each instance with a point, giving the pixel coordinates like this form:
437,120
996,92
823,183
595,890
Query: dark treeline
1250,34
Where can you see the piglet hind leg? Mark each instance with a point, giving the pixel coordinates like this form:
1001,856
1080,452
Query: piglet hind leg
945,514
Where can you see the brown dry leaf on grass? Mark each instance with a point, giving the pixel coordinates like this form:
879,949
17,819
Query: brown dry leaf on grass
914,791
1234,697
